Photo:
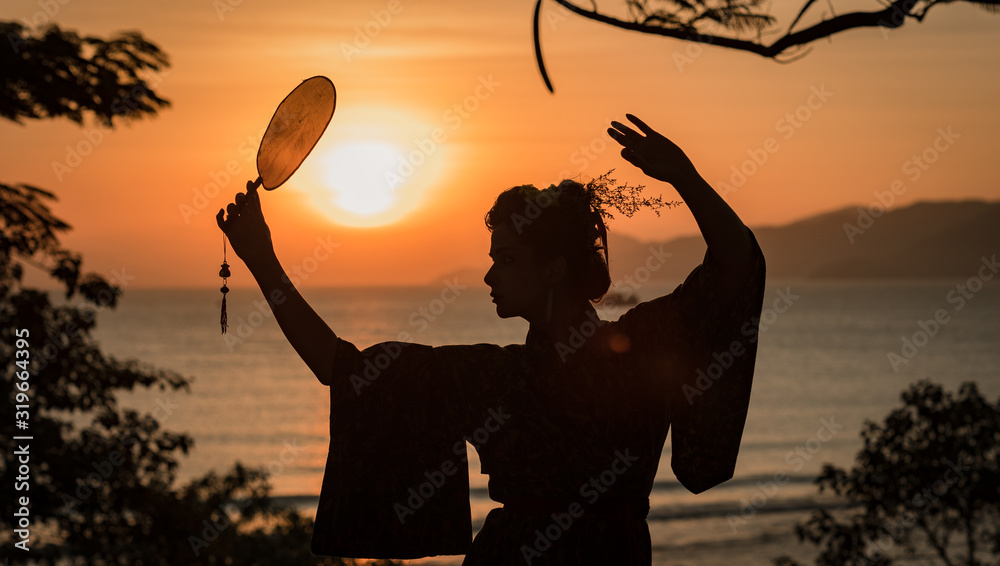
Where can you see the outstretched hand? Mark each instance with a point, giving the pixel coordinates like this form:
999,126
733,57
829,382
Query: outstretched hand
654,154
245,227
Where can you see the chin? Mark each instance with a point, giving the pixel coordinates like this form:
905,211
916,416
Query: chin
503,313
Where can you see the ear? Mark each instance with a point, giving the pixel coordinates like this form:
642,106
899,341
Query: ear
557,270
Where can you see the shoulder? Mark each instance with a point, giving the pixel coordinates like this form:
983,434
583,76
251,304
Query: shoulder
472,356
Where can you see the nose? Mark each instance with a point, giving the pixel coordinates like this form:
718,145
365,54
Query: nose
488,278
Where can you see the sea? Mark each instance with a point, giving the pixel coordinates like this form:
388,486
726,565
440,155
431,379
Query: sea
832,355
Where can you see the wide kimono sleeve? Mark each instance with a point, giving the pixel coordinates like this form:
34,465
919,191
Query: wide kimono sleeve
396,483
699,347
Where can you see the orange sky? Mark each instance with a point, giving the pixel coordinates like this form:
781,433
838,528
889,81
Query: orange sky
134,201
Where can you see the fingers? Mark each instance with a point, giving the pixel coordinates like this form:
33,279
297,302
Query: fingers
620,128
628,138
642,125
253,197
239,206
240,202
252,191
626,135
623,134
620,137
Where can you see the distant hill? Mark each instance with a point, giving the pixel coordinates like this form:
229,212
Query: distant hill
923,240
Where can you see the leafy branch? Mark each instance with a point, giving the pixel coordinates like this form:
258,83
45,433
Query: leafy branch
742,24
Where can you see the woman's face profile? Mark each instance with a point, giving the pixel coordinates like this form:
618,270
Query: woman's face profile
517,281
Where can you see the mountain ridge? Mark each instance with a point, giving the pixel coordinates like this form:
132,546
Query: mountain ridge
926,239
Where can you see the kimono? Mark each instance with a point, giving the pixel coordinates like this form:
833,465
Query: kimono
570,434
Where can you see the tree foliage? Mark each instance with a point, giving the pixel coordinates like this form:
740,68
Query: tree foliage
927,481
743,24
54,73
101,483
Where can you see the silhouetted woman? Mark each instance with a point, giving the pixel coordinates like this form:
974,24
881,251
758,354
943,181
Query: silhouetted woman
570,425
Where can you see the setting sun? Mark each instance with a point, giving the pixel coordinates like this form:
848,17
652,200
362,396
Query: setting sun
373,168
361,176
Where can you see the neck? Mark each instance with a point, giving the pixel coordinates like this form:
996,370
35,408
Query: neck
567,316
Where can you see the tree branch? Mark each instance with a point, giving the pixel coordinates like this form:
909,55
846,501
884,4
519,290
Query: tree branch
970,536
939,546
892,16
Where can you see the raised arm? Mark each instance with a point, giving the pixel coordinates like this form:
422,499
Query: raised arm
250,237
729,242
